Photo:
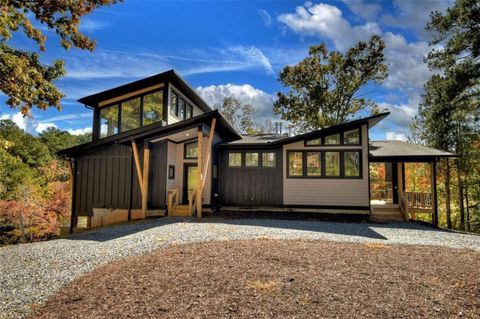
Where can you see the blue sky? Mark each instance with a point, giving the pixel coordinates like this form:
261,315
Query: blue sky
235,48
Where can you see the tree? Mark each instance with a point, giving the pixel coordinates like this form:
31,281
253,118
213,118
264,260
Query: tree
25,80
324,87
239,115
57,140
449,114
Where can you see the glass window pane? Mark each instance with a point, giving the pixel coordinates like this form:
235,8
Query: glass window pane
295,164
191,150
152,108
352,164
130,114
234,159
352,137
269,159
332,163
332,139
251,159
181,108
314,161
317,141
108,121
173,103
189,111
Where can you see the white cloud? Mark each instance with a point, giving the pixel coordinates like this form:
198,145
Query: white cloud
414,15
395,136
253,56
43,126
246,94
80,131
407,69
367,11
90,25
327,21
266,17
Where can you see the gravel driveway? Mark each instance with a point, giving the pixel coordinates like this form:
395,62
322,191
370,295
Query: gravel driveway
30,273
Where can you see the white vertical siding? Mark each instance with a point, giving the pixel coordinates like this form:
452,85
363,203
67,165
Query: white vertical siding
331,192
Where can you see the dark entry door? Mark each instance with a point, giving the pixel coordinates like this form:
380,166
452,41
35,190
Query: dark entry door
190,180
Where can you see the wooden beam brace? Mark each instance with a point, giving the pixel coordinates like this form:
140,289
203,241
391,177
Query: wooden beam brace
146,164
208,151
199,172
137,166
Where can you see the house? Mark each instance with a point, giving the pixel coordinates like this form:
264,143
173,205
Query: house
159,149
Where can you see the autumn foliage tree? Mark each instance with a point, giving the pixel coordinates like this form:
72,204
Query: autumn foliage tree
25,80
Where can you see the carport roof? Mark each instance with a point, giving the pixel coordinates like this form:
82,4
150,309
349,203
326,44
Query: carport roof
399,150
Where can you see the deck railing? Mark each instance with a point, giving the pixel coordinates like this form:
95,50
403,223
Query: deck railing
172,200
419,200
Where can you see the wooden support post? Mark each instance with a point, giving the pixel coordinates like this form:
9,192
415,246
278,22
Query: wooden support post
434,193
146,163
137,166
72,210
199,170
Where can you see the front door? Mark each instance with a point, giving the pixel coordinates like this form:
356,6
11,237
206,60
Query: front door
190,180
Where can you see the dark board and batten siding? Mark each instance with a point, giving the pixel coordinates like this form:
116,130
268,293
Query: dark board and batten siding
250,186
103,179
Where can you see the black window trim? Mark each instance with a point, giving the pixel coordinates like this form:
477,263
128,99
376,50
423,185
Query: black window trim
261,159
185,149
242,159
342,140
180,95
323,163
120,102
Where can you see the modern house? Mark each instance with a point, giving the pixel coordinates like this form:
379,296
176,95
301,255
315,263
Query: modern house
159,149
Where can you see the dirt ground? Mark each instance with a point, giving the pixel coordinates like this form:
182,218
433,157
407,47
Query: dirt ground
278,279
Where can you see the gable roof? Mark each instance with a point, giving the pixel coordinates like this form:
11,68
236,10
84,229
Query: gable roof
272,139
400,149
169,76
157,130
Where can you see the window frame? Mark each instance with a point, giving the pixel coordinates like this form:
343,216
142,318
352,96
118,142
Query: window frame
323,163
258,159
120,102
188,111
275,160
342,138
185,149
320,153
182,109
242,159
171,171
175,108
340,164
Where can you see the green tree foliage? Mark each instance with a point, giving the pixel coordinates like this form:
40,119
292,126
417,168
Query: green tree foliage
324,87
56,140
238,114
25,80
449,114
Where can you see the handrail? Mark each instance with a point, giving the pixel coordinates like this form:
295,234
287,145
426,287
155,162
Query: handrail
192,196
419,199
403,205
172,200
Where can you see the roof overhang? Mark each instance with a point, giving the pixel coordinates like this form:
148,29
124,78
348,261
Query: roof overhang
156,131
92,101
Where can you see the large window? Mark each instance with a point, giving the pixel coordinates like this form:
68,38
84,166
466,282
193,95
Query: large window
234,159
332,163
251,159
352,164
317,141
109,121
173,103
189,111
295,163
351,137
314,163
152,108
269,159
181,108
191,150
130,114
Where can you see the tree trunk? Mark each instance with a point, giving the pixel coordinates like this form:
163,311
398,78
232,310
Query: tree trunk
447,195
460,197
466,205
23,239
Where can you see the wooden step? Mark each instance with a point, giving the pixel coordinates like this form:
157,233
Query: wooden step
387,214
181,210
156,213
